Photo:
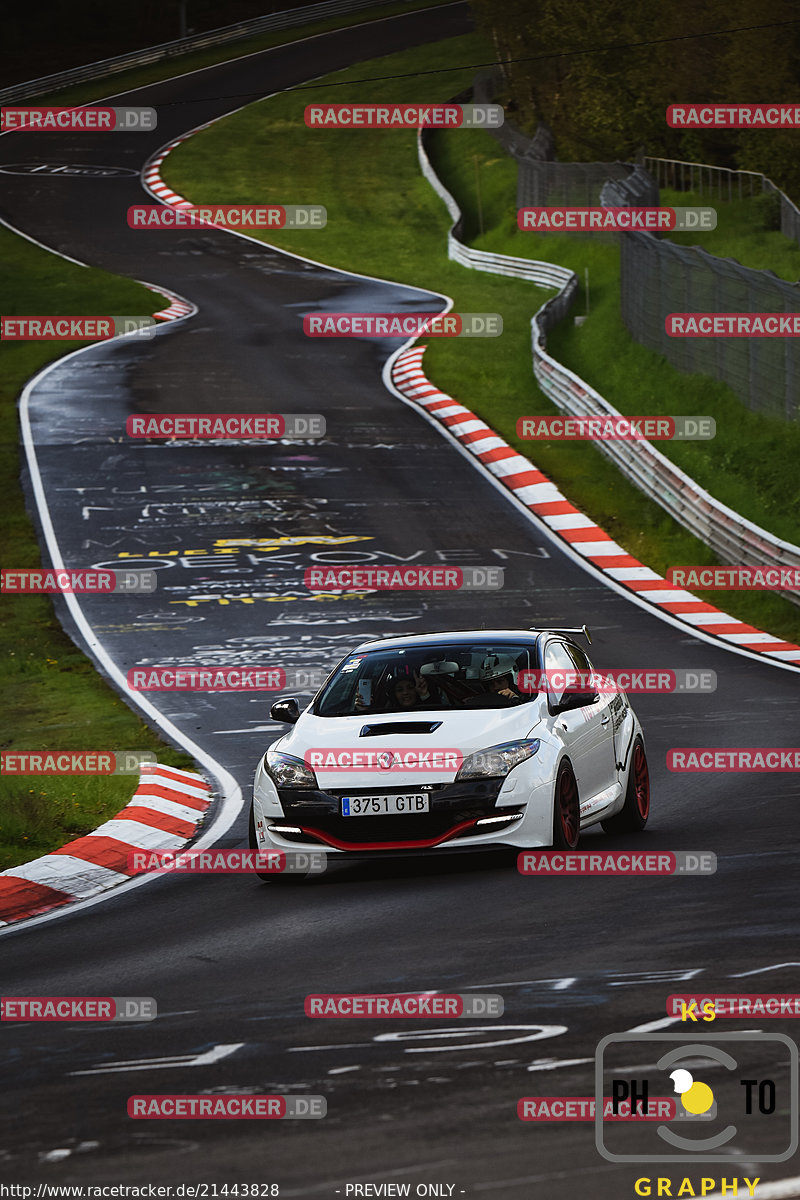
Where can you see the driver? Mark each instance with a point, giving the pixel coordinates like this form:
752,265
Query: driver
499,674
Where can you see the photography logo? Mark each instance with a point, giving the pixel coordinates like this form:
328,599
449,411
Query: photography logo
696,1098
731,1089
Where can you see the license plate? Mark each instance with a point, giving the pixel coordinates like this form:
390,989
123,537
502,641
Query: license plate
381,806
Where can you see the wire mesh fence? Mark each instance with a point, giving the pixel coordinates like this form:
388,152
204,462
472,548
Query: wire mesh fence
712,183
658,277
723,183
731,536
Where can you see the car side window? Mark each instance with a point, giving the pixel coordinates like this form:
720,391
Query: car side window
557,660
579,659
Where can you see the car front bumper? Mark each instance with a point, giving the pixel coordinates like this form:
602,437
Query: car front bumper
462,815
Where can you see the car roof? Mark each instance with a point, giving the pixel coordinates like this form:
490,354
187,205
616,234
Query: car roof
458,635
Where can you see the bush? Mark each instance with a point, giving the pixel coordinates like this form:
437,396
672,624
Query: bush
767,207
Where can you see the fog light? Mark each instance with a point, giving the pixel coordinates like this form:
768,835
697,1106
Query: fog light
494,820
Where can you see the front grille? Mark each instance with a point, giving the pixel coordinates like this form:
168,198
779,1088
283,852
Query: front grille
451,804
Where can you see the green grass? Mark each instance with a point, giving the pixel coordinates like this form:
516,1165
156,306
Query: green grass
375,224
751,464
180,64
741,233
53,697
385,220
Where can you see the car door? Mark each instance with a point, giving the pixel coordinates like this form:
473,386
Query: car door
599,716
581,731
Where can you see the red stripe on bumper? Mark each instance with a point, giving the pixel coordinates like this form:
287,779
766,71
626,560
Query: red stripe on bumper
426,844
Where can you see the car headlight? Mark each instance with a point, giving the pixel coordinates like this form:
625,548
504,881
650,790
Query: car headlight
287,771
497,760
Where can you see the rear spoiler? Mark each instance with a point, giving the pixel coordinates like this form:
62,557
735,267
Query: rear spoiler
582,632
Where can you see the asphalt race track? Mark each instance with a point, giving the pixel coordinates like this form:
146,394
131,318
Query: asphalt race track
230,960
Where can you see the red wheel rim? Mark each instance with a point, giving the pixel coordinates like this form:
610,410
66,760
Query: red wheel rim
568,807
641,781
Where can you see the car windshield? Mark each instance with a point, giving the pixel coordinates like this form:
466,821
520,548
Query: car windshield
430,678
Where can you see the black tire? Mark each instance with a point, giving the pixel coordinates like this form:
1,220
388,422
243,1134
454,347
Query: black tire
566,809
633,815
291,879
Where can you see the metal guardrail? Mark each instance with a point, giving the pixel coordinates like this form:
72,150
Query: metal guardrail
735,539
199,41
541,273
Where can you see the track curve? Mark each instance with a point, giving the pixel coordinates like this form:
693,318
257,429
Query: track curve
230,961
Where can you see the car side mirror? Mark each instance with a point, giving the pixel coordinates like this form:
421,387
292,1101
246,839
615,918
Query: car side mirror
285,710
575,700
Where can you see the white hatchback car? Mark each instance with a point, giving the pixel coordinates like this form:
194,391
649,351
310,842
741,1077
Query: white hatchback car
453,741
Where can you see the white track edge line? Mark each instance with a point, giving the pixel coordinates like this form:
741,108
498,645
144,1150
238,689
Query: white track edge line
231,800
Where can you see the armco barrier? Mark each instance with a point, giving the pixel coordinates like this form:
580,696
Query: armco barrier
541,147
579,535
530,487
729,535
199,41
658,276
541,273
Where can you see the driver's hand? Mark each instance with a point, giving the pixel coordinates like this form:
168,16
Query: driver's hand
421,685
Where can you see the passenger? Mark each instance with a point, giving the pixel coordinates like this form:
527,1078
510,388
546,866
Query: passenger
406,692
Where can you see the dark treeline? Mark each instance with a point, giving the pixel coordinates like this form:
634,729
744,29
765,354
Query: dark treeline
604,105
